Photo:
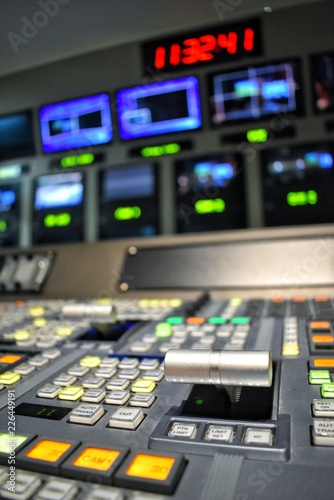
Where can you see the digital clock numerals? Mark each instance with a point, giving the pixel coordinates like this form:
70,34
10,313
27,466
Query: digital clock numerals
204,48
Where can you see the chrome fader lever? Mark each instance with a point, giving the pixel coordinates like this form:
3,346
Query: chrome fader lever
231,369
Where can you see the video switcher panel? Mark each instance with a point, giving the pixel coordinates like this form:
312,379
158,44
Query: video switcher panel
213,396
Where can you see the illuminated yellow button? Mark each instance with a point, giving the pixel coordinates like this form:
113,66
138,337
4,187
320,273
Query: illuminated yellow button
175,302
143,303
37,311
21,334
10,358
48,451
290,350
235,301
90,361
71,393
150,467
9,378
104,301
322,362
63,331
96,458
39,322
142,385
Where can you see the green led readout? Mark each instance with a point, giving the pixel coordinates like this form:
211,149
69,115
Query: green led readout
164,149
3,225
210,206
257,135
57,220
77,160
127,213
299,198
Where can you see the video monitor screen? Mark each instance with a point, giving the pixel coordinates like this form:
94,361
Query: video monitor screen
159,108
322,69
210,193
297,184
59,190
255,92
129,201
16,135
78,123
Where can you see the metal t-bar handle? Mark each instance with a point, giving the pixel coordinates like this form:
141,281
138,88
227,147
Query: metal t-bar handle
228,368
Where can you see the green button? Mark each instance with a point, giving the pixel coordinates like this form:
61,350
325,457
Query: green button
8,443
217,321
175,320
163,330
327,390
319,377
242,320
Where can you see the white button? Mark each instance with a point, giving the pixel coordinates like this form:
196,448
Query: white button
86,414
180,429
219,433
258,436
126,418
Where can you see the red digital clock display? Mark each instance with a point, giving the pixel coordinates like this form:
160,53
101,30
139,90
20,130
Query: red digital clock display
214,45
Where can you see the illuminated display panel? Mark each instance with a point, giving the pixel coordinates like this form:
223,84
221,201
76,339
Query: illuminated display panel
213,45
297,184
159,108
128,201
255,92
77,123
16,135
210,193
9,214
58,207
322,69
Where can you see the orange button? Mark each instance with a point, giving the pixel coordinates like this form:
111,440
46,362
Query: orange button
321,298
150,467
320,325
277,300
195,321
320,339
321,362
96,458
299,298
48,451
10,358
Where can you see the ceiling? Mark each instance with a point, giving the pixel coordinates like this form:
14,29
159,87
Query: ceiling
37,32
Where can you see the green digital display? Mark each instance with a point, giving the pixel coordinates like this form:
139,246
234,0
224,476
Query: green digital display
210,206
257,135
301,198
57,220
164,149
77,160
127,213
42,411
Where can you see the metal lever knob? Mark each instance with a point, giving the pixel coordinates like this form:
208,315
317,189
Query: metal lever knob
92,311
228,368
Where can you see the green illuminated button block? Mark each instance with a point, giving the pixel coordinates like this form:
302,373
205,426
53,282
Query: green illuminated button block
319,377
257,135
164,149
327,390
77,160
163,330
175,320
301,198
242,320
3,226
57,220
210,206
127,213
217,321
9,443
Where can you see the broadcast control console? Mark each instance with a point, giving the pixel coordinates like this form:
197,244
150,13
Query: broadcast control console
171,394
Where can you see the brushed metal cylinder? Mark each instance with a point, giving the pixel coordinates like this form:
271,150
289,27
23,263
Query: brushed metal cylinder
236,368
93,311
